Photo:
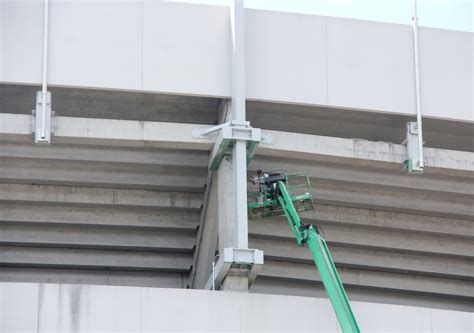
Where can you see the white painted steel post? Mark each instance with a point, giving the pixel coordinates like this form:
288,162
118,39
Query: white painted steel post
238,60
44,91
239,154
417,85
240,178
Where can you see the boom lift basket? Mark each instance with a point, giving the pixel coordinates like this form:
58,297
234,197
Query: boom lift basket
297,184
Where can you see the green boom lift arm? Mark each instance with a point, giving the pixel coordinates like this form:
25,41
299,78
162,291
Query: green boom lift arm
274,194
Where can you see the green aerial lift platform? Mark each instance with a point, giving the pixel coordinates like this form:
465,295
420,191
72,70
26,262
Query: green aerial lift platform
280,193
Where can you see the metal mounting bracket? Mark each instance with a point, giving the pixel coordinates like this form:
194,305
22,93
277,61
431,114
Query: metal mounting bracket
42,113
250,259
412,163
229,133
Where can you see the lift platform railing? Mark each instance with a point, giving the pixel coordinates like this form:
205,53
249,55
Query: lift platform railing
299,188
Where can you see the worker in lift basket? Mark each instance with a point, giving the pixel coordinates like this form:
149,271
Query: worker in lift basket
268,183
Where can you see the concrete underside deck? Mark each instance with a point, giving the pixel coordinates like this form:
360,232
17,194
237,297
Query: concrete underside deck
119,201
343,123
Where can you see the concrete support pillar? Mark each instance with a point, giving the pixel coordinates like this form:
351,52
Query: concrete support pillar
236,280
226,205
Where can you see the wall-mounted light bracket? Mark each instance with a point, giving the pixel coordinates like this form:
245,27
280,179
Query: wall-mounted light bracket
412,163
43,127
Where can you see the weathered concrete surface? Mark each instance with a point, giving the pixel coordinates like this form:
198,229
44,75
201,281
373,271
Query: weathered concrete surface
88,196
236,280
392,234
357,124
289,145
81,308
305,119
99,214
112,104
395,238
207,243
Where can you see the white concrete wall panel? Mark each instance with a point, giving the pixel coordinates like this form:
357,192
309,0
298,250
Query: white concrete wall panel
80,308
370,66
18,307
180,48
450,321
22,41
446,73
166,310
1,40
415,319
276,313
88,308
186,48
286,57
96,44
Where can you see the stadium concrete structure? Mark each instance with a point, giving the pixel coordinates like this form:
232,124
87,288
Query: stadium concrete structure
113,223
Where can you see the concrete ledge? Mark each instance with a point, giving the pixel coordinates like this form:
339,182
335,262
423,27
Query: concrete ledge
289,145
54,307
92,196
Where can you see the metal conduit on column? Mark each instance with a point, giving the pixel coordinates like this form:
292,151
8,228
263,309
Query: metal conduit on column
239,156
43,97
417,85
414,136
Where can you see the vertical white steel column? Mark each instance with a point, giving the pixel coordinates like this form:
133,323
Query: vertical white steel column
238,60
417,86
43,97
44,89
239,154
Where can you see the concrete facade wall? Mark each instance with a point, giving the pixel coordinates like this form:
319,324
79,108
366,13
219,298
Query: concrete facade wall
99,214
120,199
83,308
294,58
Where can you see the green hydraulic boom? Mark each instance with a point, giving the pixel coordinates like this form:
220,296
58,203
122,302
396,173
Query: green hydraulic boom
283,194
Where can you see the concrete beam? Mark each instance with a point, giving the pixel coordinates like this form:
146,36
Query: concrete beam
96,238
392,198
365,217
90,259
360,152
393,177
366,237
388,260
80,153
92,277
129,217
288,145
101,174
91,196
374,279
110,132
305,288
